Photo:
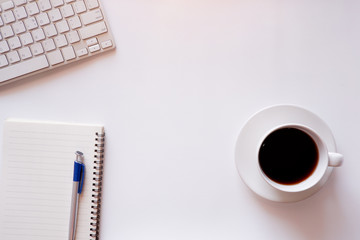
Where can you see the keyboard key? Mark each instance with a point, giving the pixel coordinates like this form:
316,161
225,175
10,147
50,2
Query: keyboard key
62,26
25,53
106,44
30,23
8,17
13,57
82,52
91,41
19,27
1,22
73,37
20,2
38,34
55,15
68,53
14,42
74,22
32,8
57,3
55,57
79,7
60,41
92,4
3,61
37,49
50,30
43,19
48,45
7,5
20,13
44,5
67,11
94,48
22,68
26,39
93,30
4,47
91,17
7,31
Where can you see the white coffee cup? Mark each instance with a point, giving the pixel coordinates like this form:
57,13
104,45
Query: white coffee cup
325,159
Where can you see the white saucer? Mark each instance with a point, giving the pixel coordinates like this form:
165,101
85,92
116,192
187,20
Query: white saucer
246,152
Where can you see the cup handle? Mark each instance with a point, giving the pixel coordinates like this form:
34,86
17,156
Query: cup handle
335,159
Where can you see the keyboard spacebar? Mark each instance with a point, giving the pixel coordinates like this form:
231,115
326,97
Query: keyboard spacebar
22,68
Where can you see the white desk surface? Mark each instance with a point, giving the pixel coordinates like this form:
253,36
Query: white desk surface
173,96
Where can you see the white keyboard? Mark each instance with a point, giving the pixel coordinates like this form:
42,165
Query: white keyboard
39,35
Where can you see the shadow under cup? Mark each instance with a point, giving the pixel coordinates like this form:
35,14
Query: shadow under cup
292,158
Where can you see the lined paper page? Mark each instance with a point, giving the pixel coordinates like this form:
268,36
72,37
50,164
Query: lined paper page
36,179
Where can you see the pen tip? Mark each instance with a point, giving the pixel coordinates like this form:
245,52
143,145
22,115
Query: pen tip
79,156
78,153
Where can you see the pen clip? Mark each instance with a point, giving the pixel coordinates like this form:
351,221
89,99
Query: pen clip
79,174
81,183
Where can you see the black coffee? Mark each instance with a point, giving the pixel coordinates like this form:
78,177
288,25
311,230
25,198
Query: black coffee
288,156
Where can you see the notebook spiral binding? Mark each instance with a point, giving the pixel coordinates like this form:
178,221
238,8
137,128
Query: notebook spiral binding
97,185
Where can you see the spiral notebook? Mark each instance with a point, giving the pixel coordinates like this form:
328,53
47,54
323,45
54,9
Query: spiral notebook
36,179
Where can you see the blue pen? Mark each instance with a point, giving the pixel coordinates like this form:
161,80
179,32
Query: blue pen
78,181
